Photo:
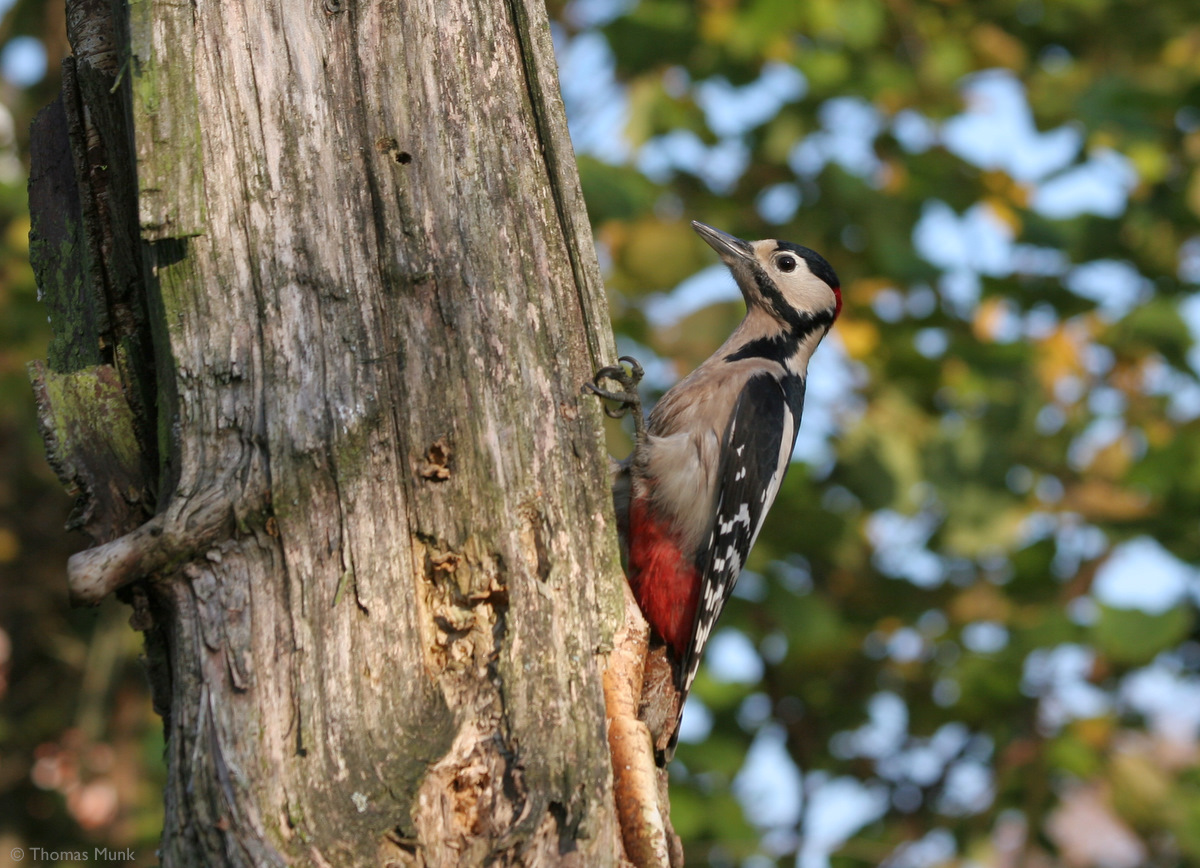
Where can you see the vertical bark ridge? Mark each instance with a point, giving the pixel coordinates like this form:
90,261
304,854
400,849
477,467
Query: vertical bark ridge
364,238
545,97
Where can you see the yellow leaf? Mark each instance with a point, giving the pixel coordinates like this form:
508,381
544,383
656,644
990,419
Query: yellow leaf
1159,432
613,233
781,136
1002,212
1095,732
1099,500
10,546
1112,462
859,337
1150,161
1183,52
989,316
1059,355
889,624
894,176
17,235
864,290
980,602
642,255
825,68
780,49
717,24
645,95
955,373
1141,788
995,46
1005,189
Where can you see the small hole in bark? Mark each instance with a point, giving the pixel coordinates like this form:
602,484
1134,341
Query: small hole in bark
388,145
436,465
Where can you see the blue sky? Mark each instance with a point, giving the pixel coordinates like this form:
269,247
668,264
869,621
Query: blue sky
23,59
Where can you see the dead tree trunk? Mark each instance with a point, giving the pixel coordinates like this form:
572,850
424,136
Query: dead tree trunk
324,296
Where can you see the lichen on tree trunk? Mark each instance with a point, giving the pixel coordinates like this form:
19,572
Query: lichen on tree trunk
382,572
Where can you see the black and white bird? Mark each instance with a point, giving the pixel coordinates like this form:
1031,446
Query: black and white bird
707,468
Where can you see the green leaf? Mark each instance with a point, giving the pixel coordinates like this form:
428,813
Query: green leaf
1133,637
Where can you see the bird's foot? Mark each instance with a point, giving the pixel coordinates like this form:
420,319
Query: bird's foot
627,399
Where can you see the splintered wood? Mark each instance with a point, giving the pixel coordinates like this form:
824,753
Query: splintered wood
639,786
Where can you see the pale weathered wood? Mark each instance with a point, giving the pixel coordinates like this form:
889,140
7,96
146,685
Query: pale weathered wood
386,579
643,811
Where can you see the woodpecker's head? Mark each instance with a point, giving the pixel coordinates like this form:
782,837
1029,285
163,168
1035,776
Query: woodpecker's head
792,283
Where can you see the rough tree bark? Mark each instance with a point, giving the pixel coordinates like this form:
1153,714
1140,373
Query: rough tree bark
324,295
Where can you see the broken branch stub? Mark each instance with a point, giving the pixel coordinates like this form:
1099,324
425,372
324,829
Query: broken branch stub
88,429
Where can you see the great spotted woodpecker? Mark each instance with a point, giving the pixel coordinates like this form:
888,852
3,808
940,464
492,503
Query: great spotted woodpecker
707,468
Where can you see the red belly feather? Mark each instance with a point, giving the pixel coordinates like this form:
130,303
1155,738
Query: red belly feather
664,579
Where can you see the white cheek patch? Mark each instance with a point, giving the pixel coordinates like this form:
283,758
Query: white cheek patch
801,288
805,291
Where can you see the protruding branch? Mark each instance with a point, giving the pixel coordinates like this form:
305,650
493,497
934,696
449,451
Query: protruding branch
89,432
165,540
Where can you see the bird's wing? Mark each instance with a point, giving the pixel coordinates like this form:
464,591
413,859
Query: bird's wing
754,458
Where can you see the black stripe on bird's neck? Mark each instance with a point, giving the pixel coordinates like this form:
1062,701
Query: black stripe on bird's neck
793,390
800,322
777,348
796,325
786,344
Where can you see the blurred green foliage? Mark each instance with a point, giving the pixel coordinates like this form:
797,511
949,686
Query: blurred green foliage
992,453
80,746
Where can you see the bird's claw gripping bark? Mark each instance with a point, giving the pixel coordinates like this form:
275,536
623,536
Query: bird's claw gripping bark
628,400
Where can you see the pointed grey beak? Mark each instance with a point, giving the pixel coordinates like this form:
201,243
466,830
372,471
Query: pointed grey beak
725,244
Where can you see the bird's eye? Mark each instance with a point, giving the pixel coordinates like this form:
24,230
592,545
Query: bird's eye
786,263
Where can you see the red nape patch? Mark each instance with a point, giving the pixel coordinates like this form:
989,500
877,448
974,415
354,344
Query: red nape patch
663,578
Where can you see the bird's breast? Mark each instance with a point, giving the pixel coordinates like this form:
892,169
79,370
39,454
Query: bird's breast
662,575
678,476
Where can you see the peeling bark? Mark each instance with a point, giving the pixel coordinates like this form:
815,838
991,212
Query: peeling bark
640,785
333,262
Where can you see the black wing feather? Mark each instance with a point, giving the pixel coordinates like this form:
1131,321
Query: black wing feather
750,455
